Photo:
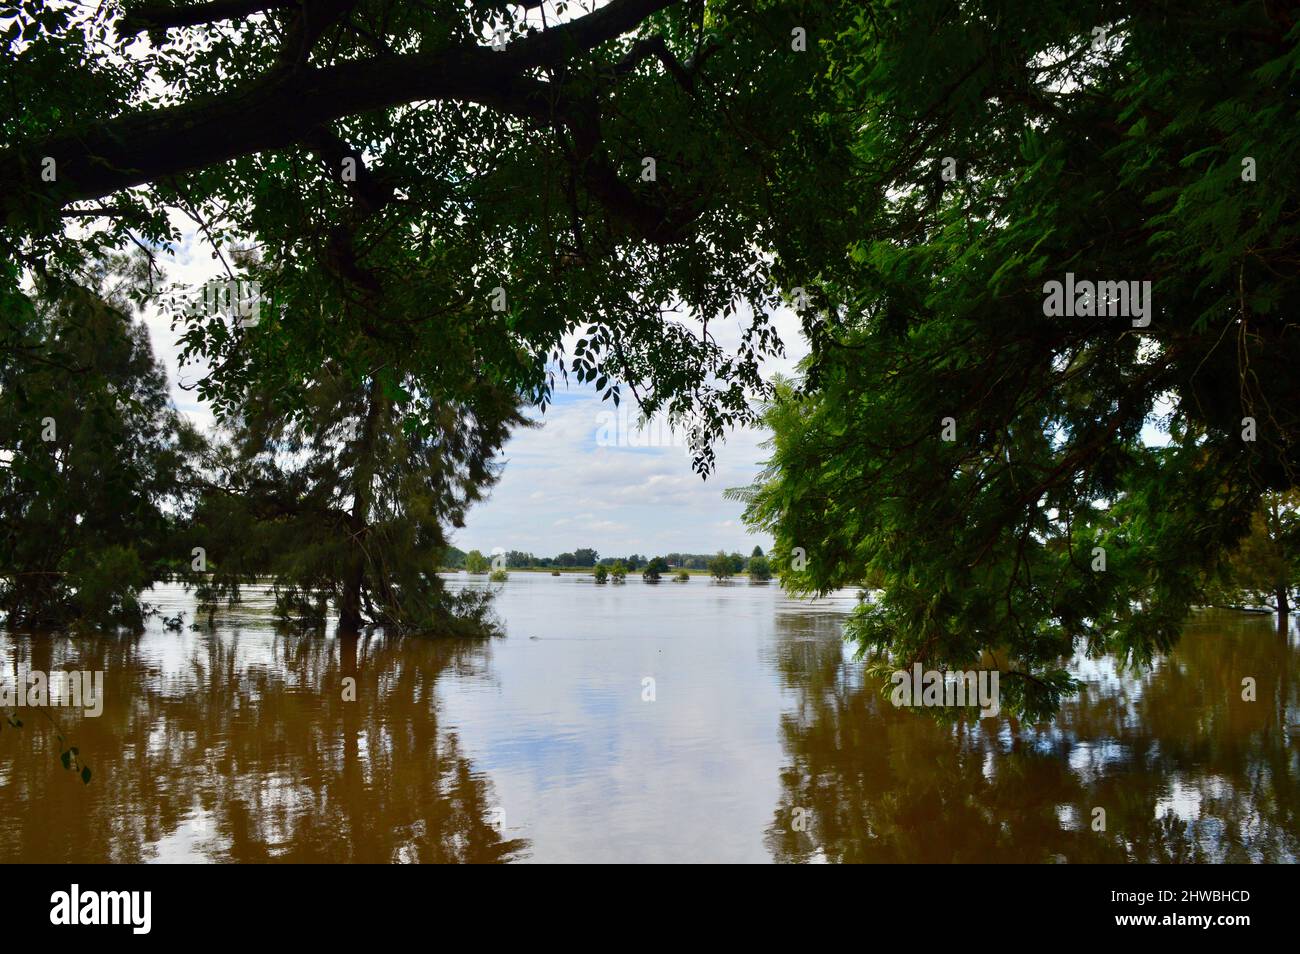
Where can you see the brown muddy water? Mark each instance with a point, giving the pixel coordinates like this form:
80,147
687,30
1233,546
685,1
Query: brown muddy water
235,744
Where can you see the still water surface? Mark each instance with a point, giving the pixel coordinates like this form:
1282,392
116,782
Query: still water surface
236,745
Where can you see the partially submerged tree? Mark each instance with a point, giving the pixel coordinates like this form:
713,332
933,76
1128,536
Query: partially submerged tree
1265,567
349,503
95,459
654,570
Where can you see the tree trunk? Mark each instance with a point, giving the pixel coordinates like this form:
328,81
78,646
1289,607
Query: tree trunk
1283,607
363,473
350,601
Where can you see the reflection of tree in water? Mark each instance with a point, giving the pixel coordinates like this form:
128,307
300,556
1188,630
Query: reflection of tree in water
1186,770
251,754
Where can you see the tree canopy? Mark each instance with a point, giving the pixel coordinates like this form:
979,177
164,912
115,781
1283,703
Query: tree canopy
436,210
1017,480
457,185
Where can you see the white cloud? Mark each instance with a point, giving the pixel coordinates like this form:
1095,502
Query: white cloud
649,499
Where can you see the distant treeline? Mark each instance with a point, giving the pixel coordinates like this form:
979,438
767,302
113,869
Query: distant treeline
588,557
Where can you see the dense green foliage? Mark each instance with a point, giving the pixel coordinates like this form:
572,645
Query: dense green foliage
97,463
427,220
968,452
453,209
654,570
1265,567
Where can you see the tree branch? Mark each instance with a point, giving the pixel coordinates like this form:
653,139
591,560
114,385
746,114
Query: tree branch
306,28
154,17
655,46
370,190
284,109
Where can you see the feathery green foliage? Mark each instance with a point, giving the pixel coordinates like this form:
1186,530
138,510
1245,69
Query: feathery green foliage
96,467
1117,156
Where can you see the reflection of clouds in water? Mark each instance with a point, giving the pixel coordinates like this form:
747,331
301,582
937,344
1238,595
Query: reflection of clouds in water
1006,735
1183,801
759,705
1090,760
189,843
1185,771
1196,803
1104,676
835,604
235,744
593,773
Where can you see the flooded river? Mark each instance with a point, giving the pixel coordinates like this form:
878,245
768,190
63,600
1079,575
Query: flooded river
678,722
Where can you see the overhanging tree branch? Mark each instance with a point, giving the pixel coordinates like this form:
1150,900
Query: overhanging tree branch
154,16
371,191
281,110
306,27
655,46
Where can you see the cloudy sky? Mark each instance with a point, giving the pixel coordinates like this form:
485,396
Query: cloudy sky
591,476
584,477
568,483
